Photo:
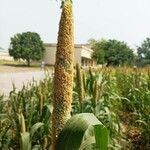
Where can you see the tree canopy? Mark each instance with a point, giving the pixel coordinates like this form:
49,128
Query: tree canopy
27,46
112,52
143,52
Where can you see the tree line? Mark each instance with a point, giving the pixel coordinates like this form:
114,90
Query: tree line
29,46
112,52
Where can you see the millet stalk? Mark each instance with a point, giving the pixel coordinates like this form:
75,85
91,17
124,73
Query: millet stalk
63,77
80,88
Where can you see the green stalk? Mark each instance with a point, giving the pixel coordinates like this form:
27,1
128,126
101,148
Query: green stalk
80,89
22,124
95,94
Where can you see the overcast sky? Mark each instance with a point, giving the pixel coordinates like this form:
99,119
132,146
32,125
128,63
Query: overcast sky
125,20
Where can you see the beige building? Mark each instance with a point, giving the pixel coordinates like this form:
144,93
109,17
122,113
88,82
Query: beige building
4,55
82,54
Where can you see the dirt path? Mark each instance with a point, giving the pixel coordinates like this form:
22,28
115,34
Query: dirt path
19,78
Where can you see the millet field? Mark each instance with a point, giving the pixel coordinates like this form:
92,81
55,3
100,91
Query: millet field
76,108
118,97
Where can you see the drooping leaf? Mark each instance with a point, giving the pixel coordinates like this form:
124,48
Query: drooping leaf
81,129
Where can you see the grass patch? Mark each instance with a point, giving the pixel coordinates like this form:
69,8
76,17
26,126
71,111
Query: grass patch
20,66
18,63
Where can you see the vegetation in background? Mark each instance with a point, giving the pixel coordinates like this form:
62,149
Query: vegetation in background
98,48
79,85
25,117
27,46
143,52
120,100
112,52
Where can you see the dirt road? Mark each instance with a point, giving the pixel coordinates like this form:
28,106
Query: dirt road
18,78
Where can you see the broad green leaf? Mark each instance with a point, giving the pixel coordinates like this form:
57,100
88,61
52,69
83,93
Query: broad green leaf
101,137
25,141
79,131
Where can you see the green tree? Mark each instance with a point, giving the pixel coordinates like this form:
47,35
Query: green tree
98,47
27,46
143,52
112,52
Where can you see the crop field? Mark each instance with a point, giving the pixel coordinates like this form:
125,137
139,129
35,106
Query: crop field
118,97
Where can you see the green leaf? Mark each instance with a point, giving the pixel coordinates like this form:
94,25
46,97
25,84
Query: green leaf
49,108
87,143
25,141
46,113
3,116
35,127
79,131
101,137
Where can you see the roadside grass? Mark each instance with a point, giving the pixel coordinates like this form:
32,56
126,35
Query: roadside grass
20,66
17,63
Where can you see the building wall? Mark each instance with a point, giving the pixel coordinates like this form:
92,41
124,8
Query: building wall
5,56
77,55
50,54
86,52
82,55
